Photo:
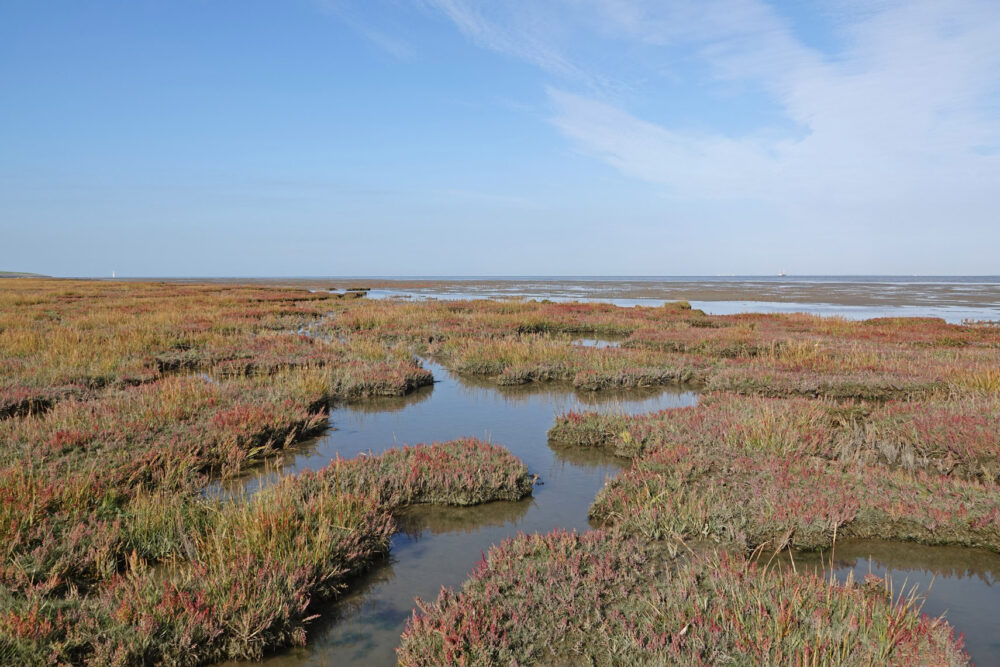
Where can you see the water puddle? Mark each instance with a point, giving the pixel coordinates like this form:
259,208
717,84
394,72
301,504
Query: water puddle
599,343
438,546
957,582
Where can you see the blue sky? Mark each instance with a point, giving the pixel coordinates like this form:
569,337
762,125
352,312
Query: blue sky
458,137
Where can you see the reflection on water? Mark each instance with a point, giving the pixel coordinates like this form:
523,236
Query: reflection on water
377,404
285,461
960,583
583,456
438,546
599,343
436,519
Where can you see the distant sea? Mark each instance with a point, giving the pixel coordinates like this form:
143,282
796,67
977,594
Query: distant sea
873,279
954,298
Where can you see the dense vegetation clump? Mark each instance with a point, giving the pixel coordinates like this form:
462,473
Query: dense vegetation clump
187,580
603,599
754,471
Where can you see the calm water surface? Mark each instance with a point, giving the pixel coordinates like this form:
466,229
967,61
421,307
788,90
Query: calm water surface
959,583
438,546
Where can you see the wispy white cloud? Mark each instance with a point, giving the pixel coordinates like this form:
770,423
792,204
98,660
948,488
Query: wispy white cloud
394,46
557,35
523,30
901,123
699,165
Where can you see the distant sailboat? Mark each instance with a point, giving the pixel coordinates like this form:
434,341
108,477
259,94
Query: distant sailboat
782,274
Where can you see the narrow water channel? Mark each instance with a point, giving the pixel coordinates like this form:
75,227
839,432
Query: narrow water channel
962,584
438,546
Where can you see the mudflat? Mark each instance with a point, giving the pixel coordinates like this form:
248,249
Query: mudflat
944,291
847,292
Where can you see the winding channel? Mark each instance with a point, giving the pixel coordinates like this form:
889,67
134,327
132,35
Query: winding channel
439,546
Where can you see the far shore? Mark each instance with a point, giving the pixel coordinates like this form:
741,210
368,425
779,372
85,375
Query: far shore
960,293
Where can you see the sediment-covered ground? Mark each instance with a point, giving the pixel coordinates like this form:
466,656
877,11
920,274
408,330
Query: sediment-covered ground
968,293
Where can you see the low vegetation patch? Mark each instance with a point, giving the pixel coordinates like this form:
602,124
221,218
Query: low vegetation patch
749,499
198,580
460,472
603,599
517,342
954,438
753,471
